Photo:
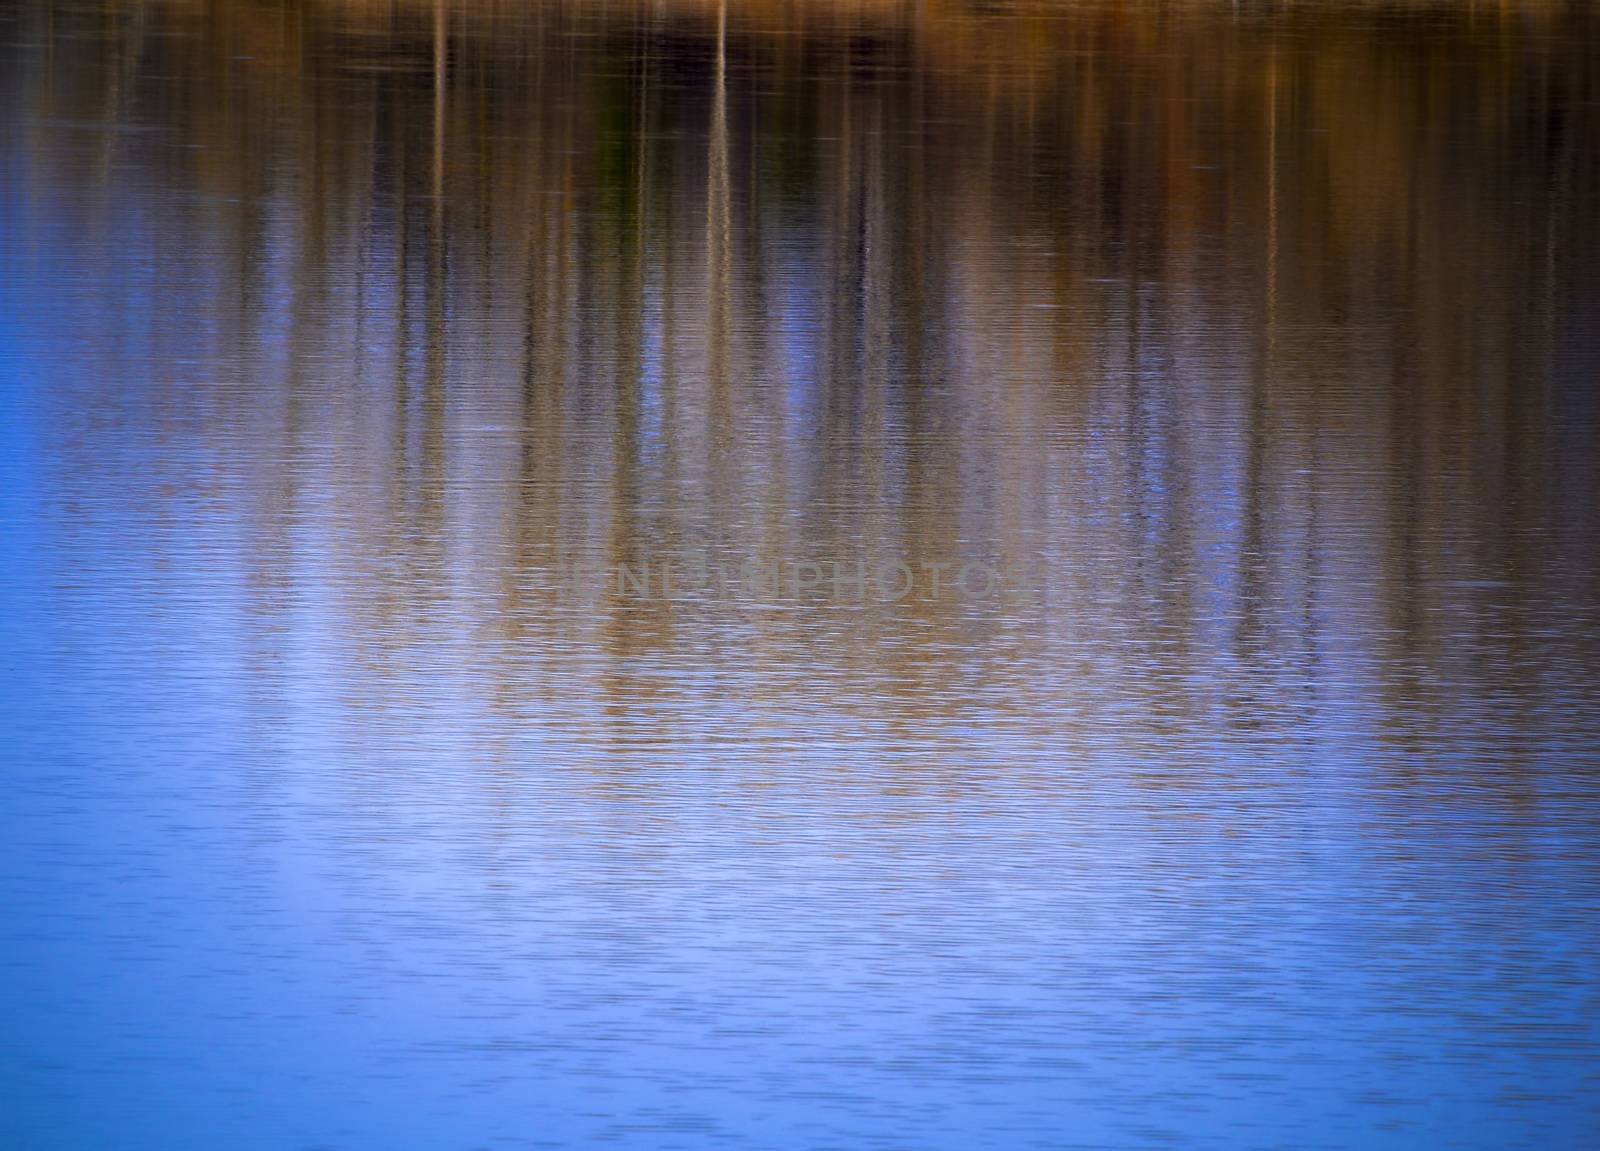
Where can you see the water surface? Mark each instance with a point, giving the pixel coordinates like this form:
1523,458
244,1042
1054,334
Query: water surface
1257,344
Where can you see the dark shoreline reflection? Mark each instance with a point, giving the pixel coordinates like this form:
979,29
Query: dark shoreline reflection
1261,342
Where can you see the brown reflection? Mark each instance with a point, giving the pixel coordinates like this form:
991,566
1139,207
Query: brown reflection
1246,337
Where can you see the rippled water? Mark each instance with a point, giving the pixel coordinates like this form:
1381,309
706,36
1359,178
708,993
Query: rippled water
371,373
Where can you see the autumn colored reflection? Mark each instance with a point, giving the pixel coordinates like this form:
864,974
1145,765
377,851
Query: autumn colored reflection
1258,341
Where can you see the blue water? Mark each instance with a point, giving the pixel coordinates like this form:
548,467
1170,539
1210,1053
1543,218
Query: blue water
1261,808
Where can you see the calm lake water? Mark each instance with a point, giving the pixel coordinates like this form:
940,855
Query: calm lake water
390,389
